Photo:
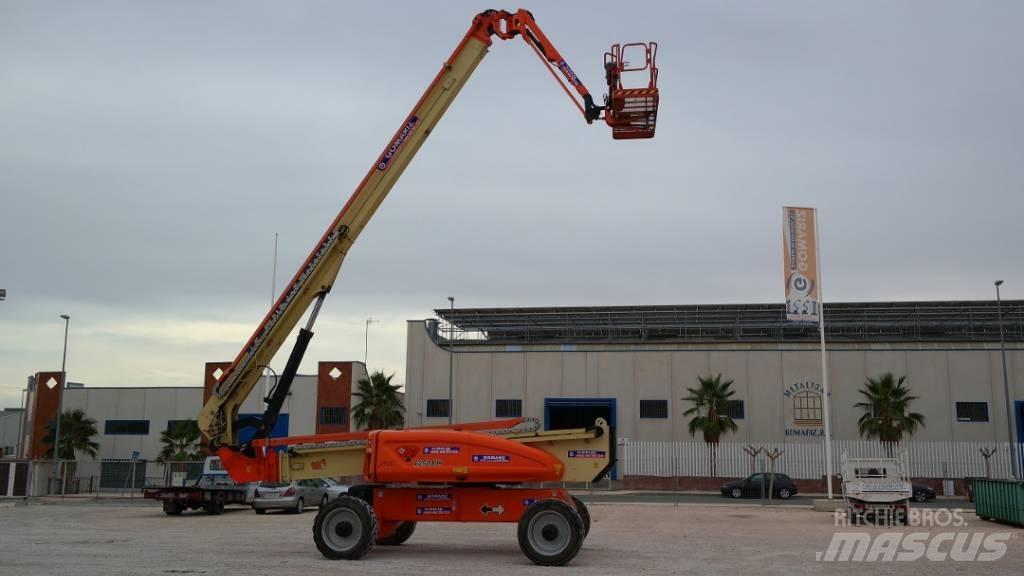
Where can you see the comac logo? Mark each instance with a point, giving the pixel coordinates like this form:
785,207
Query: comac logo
491,458
573,79
397,144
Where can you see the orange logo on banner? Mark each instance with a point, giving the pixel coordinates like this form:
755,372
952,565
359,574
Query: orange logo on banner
800,254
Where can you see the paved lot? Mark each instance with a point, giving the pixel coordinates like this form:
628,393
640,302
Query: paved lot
110,538
635,497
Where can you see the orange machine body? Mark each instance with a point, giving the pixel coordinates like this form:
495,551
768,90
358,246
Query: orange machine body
456,457
467,504
459,454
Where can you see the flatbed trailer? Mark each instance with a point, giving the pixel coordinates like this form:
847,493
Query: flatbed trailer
177,499
212,492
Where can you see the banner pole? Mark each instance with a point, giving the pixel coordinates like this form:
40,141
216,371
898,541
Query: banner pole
824,361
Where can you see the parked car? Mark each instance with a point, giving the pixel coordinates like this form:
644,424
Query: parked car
295,495
782,486
923,493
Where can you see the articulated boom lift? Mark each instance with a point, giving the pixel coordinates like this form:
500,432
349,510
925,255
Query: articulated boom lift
466,472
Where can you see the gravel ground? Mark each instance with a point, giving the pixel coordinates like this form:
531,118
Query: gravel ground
113,538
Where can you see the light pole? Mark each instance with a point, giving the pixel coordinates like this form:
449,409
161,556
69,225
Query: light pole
451,359
366,338
60,399
1006,386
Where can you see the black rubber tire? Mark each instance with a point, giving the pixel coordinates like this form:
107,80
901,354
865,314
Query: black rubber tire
172,508
920,497
260,510
324,501
365,528
784,494
584,513
300,506
399,536
544,517
215,506
736,493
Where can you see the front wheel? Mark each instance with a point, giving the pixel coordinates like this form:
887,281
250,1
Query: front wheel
215,506
920,497
323,501
172,508
550,533
345,529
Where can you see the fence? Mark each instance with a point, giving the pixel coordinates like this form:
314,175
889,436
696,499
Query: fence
807,460
109,476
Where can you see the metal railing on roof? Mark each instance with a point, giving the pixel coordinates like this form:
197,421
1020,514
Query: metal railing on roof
962,321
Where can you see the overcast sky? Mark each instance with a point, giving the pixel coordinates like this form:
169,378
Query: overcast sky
149,151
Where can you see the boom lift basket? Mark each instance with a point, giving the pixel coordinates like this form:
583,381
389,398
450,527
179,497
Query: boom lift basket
631,112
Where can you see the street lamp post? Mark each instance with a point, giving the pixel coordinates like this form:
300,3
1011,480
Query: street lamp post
1006,386
60,399
366,338
451,360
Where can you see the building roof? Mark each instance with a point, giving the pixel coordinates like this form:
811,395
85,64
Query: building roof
946,321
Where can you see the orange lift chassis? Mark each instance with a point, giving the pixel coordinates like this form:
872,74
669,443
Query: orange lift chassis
478,472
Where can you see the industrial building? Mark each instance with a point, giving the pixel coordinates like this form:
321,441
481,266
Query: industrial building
130,420
633,365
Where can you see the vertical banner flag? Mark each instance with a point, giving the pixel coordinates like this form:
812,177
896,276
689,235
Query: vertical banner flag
800,247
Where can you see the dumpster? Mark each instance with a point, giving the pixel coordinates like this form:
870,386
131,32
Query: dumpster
1001,500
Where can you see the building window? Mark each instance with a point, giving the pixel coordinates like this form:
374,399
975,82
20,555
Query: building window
126,427
735,409
654,408
972,411
8,450
333,416
807,409
437,408
508,408
172,424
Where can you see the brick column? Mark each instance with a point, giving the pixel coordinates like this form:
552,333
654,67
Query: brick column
43,407
333,390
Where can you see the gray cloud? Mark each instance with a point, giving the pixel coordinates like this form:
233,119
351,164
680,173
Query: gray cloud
148,151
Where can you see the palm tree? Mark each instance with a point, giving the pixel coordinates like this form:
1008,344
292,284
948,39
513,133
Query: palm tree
709,411
181,443
380,405
76,437
887,415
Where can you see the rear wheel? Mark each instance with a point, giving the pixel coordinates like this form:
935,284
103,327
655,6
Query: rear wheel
300,506
550,533
260,510
784,493
920,496
400,535
584,513
736,493
323,501
172,508
345,529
